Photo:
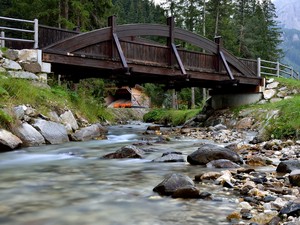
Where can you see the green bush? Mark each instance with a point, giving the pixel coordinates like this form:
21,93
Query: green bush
169,117
5,119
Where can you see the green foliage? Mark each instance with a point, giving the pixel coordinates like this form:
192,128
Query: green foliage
85,14
172,117
19,91
5,119
287,124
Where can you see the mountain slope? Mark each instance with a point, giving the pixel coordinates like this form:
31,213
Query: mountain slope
289,19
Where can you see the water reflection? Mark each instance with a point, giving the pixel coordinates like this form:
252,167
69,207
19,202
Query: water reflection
70,184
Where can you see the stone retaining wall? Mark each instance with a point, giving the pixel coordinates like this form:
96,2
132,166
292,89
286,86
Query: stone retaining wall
25,63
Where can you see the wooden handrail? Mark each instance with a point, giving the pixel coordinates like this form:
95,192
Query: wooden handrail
270,68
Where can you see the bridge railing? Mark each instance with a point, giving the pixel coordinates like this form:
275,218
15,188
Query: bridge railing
15,38
49,35
269,68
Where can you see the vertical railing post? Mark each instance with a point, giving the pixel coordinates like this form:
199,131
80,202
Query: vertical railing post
277,69
36,33
218,41
2,41
112,24
258,67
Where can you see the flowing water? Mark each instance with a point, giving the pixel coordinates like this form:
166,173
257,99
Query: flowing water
71,184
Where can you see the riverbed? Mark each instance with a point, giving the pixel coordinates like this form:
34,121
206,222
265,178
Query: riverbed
71,184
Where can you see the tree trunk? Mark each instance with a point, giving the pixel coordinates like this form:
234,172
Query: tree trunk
174,99
193,98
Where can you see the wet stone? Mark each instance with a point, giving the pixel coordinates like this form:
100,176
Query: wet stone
188,191
292,208
129,151
288,166
170,157
172,183
209,152
222,163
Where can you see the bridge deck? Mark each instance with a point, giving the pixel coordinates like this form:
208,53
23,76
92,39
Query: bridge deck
119,52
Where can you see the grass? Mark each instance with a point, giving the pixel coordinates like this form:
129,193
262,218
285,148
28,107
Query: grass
173,117
287,123
19,91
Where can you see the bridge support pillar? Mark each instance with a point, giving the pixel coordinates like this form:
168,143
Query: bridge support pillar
220,101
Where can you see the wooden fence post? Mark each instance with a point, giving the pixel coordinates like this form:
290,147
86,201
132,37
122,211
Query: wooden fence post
278,69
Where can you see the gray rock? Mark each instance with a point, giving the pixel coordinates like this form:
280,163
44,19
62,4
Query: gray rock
271,80
294,178
29,135
12,54
68,118
268,94
209,152
282,94
222,163
89,133
170,157
33,67
129,151
172,183
2,70
19,111
188,191
8,141
11,65
288,166
292,208
23,75
275,100
31,55
154,128
219,127
272,85
54,133
54,117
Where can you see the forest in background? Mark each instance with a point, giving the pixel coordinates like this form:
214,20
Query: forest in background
248,27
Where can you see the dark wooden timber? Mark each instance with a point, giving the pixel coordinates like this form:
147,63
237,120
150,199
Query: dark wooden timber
116,51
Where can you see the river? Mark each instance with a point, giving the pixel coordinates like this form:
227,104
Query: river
71,184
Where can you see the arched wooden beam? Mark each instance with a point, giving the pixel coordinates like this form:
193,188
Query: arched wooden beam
80,41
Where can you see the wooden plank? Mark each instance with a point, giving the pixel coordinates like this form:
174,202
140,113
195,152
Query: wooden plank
228,70
120,51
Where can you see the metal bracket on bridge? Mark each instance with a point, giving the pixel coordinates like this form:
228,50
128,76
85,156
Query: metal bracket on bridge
173,48
117,44
222,57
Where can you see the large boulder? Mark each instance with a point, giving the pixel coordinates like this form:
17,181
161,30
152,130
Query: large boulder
23,75
129,151
29,135
294,178
8,141
170,157
89,133
68,118
176,183
210,152
54,133
288,166
12,65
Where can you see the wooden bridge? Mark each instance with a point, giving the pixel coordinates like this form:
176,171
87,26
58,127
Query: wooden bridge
125,53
